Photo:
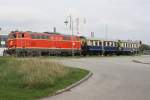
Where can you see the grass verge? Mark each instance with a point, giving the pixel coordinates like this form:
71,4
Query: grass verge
32,78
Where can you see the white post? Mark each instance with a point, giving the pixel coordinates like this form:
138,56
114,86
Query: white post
103,48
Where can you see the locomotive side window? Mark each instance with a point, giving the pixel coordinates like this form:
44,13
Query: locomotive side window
33,36
77,38
20,35
14,36
46,37
66,38
38,37
42,37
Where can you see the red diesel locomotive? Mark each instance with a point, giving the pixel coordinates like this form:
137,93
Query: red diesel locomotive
47,43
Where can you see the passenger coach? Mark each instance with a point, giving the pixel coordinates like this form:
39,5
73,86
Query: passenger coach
93,46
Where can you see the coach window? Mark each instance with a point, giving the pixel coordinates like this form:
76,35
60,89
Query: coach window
115,44
134,45
96,43
92,43
131,45
124,44
89,42
100,43
108,44
105,43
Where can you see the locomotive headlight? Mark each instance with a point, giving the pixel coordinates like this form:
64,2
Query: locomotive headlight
11,43
73,44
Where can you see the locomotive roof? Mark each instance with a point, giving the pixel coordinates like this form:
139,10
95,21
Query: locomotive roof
100,39
43,32
48,33
130,41
127,41
30,32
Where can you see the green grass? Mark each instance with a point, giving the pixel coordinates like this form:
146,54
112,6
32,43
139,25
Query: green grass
32,78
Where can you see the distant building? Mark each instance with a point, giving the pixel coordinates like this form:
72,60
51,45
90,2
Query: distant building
3,40
3,43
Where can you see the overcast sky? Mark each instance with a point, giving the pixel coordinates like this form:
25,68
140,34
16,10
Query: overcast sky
125,19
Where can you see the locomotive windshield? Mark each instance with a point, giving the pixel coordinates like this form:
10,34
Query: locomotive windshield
12,36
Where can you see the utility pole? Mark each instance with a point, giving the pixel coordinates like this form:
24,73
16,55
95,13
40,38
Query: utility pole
106,31
106,37
77,23
72,30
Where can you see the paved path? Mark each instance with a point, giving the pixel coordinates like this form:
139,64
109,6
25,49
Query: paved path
115,78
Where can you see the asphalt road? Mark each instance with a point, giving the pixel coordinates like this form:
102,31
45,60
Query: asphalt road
115,78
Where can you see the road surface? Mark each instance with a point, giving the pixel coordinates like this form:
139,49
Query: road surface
114,78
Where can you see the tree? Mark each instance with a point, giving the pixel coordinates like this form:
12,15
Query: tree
145,47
